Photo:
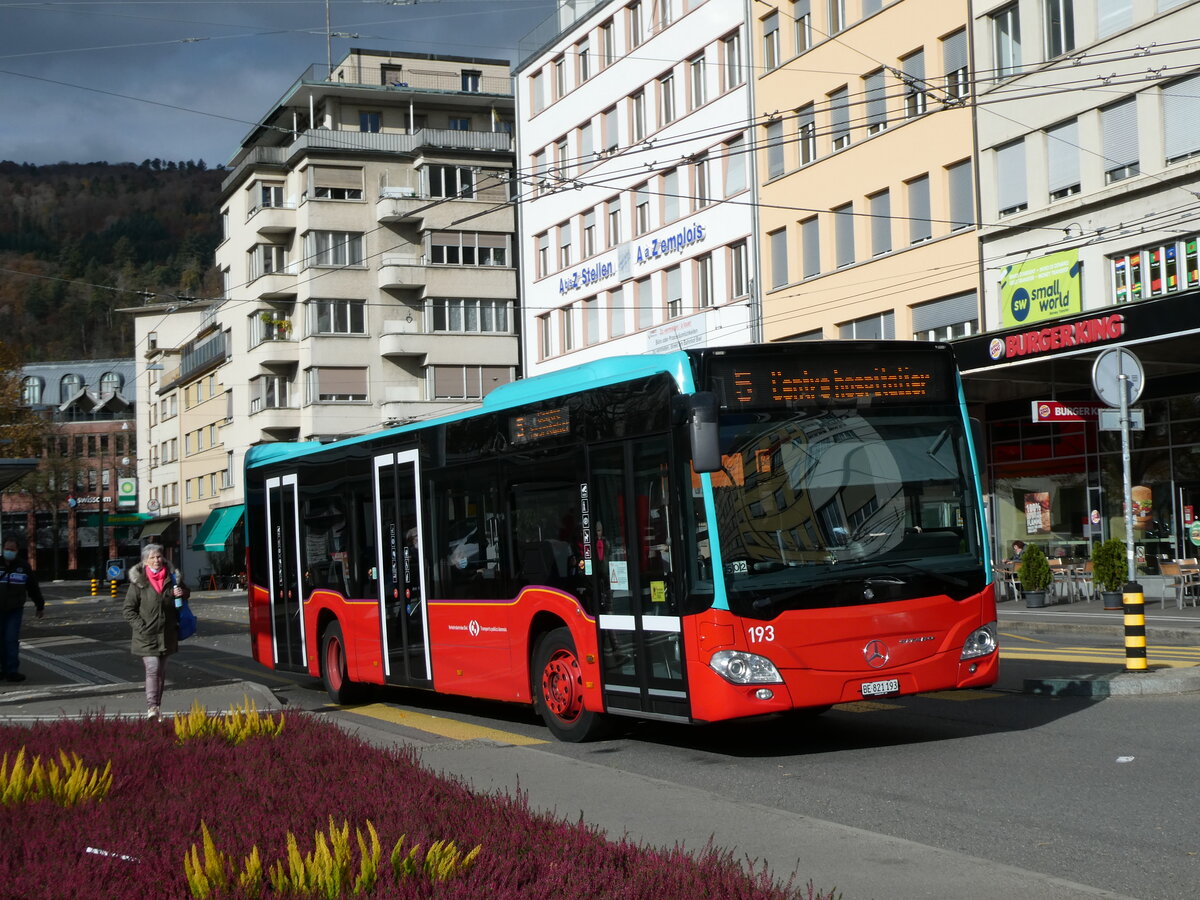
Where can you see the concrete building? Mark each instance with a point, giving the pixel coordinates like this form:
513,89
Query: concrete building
864,141
369,270
637,212
1089,148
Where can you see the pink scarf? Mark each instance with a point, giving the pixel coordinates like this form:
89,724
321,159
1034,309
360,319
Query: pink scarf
157,579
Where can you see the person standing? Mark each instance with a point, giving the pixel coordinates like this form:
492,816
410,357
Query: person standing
156,591
18,583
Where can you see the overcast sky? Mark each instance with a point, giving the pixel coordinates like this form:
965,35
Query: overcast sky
85,80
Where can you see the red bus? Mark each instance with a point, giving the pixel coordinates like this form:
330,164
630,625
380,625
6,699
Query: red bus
693,537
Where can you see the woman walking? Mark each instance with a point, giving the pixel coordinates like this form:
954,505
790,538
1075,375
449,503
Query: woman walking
156,591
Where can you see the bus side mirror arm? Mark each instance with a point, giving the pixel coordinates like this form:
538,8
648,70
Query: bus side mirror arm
704,431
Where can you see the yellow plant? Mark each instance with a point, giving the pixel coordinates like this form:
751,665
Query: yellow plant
442,862
240,723
67,782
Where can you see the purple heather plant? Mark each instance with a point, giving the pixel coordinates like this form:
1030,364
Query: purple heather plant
254,793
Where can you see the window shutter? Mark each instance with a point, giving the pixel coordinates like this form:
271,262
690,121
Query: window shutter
962,196
1118,125
919,226
1181,118
336,177
811,236
876,99
947,311
1010,172
1113,15
954,50
1062,153
881,223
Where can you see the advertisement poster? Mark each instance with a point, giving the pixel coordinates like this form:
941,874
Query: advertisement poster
1041,289
1143,506
1037,513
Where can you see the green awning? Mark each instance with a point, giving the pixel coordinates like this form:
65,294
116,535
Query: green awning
217,527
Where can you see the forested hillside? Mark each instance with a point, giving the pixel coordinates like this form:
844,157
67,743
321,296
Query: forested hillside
78,242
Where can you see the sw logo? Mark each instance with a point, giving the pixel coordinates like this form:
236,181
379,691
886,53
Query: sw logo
1020,305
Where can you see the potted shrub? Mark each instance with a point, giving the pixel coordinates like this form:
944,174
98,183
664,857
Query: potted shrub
1035,575
1110,571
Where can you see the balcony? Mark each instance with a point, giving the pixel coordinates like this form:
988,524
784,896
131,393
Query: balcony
399,272
275,352
450,348
275,285
273,219
413,273
276,421
440,214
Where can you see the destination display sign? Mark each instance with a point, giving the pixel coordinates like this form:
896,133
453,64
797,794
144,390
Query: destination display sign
537,426
801,379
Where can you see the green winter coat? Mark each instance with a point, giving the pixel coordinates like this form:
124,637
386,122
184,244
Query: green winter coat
152,615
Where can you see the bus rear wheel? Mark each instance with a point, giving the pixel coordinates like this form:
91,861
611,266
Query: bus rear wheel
558,690
337,683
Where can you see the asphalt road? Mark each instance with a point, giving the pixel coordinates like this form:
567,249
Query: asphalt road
984,794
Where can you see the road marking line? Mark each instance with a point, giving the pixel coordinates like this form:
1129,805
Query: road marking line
449,728
964,695
862,706
1022,637
1115,657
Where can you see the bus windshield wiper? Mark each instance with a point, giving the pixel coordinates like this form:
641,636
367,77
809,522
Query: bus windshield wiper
923,570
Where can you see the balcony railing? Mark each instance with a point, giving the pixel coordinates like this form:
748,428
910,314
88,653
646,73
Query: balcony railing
356,71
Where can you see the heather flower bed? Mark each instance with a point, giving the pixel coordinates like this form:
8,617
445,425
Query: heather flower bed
313,778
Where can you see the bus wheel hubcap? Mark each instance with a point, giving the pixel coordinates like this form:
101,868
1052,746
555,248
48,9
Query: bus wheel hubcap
561,686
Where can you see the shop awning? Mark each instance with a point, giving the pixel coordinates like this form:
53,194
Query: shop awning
157,527
217,527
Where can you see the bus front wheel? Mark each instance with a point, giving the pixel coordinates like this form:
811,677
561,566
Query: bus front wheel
558,690
338,685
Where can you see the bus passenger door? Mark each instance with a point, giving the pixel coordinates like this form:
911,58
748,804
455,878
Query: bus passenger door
399,572
632,535
284,562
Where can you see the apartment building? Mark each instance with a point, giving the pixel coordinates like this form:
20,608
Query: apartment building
637,188
369,275
864,143
1089,161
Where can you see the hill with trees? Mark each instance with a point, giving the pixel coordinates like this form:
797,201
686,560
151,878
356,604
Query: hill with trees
79,241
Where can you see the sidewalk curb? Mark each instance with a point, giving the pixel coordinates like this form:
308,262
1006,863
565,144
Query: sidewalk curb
1118,684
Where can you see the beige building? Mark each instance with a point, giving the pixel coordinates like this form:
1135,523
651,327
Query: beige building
865,166
369,278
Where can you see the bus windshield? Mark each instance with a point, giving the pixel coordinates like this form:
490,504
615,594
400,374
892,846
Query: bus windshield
840,507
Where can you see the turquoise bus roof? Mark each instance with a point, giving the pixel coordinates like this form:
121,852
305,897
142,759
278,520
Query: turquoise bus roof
586,376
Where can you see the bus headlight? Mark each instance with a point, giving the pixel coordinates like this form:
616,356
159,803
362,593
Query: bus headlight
981,642
744,668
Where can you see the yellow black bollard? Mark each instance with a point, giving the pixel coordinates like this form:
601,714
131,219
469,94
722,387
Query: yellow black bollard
1135,628
112,588
95,586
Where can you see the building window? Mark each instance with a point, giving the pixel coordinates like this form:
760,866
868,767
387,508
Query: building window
702,175
735,167
1010,177
610,136
1113,16
674,292
566,327
837,16
335,248
1156,270
451,181
641,218
466,382
31,390
696,82
802,16
460,123
564,245
876,94
1006,41
560,78
946,319
562,157
614,221
770,33
544,336
338,316
731,61
916,100
670,195
616,312
806,133
702,281
69,386
268,259
538,90
1181,119
839,114
543,255
810,238
589,233
270,325
881,327
645,303
335,384
777,241
591,321
843,234
608,45
739,269
1060,27
881,223
962,195
637,116
662,14
955,62
369,120
775,162
1062,160
1119,139
920,225
583,58
666,99
587,148
270,194
468,248
634,18
268,392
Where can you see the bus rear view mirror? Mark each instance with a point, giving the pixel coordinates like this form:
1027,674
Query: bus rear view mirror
704,432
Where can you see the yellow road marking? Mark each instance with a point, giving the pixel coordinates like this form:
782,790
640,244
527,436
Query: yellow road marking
449,728
1021,637
1095,656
